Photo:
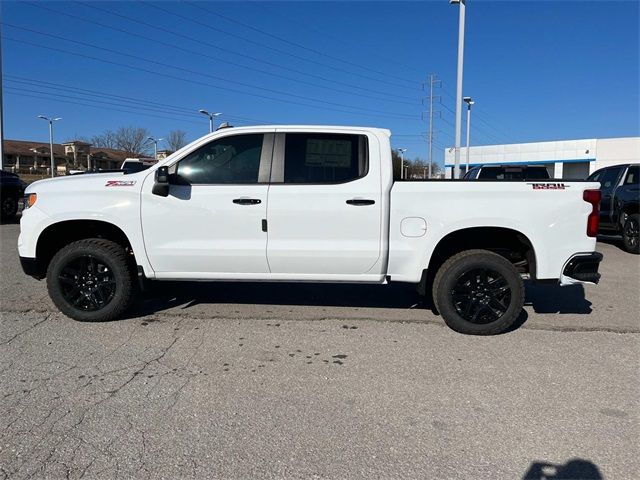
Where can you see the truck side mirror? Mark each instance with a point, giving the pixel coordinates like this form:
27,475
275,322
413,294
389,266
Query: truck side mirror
161,185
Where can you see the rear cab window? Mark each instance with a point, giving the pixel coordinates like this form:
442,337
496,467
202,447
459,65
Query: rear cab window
324,158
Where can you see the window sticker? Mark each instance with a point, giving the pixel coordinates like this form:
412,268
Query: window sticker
328,153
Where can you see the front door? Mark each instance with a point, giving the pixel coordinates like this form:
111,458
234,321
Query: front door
211,223
325,205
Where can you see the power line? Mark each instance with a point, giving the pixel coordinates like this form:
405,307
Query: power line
259,44
226,50
189,112
211,45
339,40
193,72
161,107
480,118
484,132
197,82
289,42
49,97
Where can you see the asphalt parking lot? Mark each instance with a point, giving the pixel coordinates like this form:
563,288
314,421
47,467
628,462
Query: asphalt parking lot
297,381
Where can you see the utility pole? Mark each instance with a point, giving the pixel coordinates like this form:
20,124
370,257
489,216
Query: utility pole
1,113
458,133
51,120
433,82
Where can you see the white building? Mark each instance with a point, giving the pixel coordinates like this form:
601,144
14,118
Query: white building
570,159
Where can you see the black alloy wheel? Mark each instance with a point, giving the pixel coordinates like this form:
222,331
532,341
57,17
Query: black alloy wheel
631,233
87,283
481,295
478,292
9,207
92,280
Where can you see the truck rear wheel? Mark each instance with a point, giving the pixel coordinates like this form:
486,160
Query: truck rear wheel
91,280
631,233
478,292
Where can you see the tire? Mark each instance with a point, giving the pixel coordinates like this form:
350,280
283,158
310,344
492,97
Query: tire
9,207
91,280
630,233
478,292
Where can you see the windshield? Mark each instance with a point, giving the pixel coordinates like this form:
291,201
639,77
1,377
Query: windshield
133,167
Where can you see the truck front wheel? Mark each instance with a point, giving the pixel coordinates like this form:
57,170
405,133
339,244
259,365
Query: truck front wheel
478,292
90,280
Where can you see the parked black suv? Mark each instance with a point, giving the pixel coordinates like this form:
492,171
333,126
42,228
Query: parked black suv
619,213
507,172
11,191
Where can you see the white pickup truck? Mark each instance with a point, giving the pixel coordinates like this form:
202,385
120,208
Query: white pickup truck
306,204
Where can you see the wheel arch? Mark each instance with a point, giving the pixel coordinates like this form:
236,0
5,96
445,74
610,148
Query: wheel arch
631,208
59,234
507,242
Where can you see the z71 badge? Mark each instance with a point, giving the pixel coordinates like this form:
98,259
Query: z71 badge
548,186
120,183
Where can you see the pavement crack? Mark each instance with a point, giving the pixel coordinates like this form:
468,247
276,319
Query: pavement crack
22,332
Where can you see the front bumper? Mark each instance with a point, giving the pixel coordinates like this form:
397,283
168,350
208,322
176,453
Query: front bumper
30,267
582,268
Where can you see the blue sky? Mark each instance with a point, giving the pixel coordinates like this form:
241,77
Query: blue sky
540,70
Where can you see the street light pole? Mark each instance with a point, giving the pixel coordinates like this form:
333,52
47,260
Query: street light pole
51,120
402,150
210,115
456,168
155,146
469,102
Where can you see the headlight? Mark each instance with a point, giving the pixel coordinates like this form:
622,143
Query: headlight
30,200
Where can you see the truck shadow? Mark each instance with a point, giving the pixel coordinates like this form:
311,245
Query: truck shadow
574,469
556,299
166,295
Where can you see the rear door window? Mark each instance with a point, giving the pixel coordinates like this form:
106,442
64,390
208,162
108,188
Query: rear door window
609,178
324,158
495,173
633,175
537,173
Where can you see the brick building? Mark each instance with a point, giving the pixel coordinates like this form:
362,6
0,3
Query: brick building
34,157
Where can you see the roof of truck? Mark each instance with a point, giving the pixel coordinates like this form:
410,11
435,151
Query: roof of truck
384,131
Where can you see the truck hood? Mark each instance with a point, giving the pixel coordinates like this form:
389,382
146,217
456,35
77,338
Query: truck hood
86,181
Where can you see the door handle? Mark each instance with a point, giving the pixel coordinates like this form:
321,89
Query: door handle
247,201
360,201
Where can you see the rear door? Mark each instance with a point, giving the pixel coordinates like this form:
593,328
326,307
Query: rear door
609,179
627,194
325,204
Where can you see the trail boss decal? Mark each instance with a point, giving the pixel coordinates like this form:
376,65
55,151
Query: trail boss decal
548,186
120,183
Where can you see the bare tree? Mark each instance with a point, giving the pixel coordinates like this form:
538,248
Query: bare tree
176,139
104,140
418,168
132,140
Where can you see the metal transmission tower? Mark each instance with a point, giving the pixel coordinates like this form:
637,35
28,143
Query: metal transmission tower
431,83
